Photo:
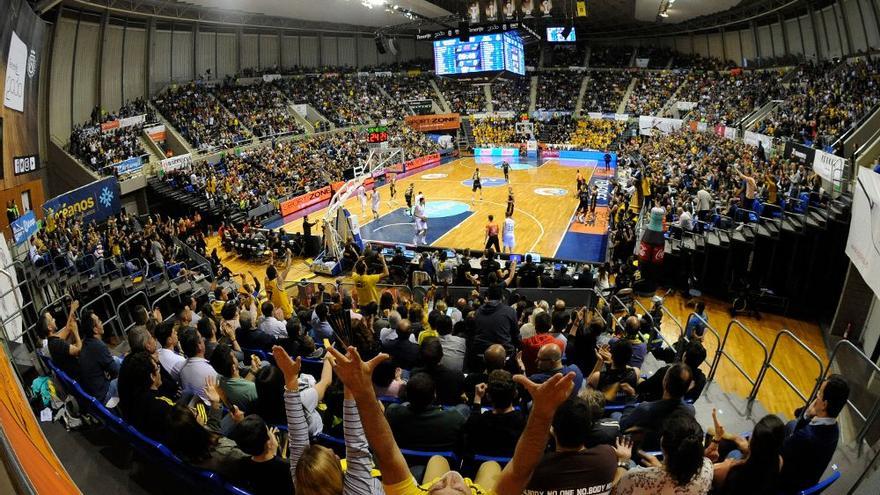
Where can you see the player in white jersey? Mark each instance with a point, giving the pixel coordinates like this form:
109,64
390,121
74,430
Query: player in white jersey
508,240
362,196
374,204
421,223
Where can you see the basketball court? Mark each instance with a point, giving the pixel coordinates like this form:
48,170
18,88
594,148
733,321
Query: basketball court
545,204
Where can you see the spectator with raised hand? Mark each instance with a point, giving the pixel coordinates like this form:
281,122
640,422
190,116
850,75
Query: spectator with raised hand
495,431
264,472
754,465
684,469
64,345
396,477
314,468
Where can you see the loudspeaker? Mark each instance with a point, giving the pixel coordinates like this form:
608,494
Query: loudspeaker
464,31
392,45
380,45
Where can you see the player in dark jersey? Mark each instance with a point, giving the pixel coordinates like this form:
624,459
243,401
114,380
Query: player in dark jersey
476,185
506,168
510,202
408,196
392,186
583,204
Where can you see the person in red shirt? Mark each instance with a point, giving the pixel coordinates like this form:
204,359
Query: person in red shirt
531,345
492,235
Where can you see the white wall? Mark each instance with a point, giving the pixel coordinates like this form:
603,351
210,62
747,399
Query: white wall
206,53
289,51
111,67
85,71
308,51
134,71
765,43
268,51
60,78
250,58
329,53
346,49
182,57
227,54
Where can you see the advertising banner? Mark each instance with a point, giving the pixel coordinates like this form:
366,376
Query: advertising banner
129,166
422,161
308,199
648,124
829,167
753,138
94,202
799,152
436,122
156,133
177,163
642,63
421,107
496,152
24,227
863,243
123,123
271,77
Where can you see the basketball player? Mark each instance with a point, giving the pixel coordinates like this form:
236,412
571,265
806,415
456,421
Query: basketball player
507,237
375,204
510,202
594,198
506,168
393,188
362,196
421,223
607,162
583,204
492,234
408,196
580,182
476,185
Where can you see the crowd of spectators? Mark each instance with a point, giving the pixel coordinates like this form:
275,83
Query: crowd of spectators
402,88
261,107
200,117
824,101
279,170
512,96
658,57
482,374
463,98
566,55
696,61
498,131
344,100
612,56
558,90
595,134
101,149
652,92
712,92
605,91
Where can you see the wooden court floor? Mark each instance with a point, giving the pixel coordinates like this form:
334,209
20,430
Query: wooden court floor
541,223
541,220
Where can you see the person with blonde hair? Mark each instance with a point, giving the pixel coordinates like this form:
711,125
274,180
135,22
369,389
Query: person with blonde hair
316,469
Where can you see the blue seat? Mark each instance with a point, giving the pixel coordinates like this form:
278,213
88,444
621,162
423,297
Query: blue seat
487,458
823,485
334,443
420,457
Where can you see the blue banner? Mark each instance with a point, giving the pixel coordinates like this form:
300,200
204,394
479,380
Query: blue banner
94,202
24,227
133,164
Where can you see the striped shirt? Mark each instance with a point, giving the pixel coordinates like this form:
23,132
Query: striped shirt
357,478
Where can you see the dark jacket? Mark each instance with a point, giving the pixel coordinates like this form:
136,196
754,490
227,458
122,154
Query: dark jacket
404,353
496,324
806,452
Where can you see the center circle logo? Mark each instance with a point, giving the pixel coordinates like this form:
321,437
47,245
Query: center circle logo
440,209
551,191
434,176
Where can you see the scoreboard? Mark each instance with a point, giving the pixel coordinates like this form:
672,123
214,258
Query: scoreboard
377,134
484,53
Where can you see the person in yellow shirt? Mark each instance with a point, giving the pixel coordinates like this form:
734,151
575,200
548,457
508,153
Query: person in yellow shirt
356,375
274,281
364,284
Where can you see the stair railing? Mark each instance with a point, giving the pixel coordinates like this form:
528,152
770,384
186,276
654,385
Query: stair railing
721,352
768,365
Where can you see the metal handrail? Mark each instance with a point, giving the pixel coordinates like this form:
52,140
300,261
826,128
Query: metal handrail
872,416
681,333
720,352
769,365
110,307
708,327
641,306
138,294
169,293
610,324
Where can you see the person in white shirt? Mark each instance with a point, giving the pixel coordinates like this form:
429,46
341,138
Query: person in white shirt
685,220
421,223
508,240
390,332
272,324
196,370
375,204
362,196
704,204
171,361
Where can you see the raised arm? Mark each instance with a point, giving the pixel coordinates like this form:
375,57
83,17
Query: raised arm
356,375
358,477
546,398
297,425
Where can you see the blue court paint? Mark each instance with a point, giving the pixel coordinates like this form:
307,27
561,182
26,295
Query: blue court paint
577,163
576,246
486,182
398,227
442,209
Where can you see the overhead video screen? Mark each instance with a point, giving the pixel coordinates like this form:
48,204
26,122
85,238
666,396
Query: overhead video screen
483,53
554,35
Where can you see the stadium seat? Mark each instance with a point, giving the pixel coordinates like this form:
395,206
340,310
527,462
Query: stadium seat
823,485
